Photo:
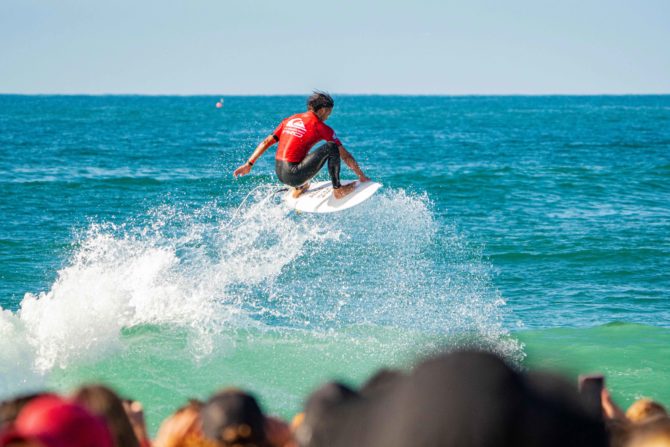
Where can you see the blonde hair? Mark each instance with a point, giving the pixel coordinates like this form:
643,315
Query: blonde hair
654,433
644,410
183,429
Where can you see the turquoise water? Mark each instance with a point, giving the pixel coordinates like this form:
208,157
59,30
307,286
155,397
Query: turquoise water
537,226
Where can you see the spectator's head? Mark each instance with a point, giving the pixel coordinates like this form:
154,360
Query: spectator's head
51,421
183,428
645,409
457,399
474,399
653,433
233,418
381,382
104,402
332,417
10,409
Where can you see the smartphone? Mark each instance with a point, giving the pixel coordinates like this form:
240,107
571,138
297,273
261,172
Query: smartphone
590,388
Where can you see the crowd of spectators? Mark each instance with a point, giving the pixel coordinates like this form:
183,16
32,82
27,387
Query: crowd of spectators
459,399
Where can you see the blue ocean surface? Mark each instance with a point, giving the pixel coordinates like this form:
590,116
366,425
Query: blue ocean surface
535,226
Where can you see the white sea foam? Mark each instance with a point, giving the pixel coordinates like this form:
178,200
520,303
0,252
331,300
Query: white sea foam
388,264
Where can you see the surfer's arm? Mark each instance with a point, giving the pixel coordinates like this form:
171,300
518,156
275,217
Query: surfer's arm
349,160
262,147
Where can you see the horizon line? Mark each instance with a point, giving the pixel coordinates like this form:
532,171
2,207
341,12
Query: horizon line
334,93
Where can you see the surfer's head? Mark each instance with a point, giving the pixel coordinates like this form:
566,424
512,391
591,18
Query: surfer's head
320,103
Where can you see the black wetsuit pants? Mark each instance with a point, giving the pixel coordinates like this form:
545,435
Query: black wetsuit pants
297,174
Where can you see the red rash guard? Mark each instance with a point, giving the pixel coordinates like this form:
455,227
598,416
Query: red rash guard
298,133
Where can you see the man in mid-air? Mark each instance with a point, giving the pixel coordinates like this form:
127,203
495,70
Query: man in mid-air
295,164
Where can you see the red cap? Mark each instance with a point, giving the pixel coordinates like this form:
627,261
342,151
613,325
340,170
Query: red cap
55,422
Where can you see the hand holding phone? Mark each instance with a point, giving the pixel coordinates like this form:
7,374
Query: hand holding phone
591,388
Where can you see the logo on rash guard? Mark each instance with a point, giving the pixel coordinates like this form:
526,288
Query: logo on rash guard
295,127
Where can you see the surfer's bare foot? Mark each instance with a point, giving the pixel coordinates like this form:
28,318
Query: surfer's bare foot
344,190
295,193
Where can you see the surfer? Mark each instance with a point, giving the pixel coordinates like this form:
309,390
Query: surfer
295,164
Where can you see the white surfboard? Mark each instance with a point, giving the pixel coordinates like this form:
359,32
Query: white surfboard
319,197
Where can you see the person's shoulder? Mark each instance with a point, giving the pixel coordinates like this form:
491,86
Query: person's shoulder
325,127
303,115
287,118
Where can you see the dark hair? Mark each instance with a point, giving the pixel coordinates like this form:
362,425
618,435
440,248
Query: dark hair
331,418
232,417
382,382
10,409
105,403
320,100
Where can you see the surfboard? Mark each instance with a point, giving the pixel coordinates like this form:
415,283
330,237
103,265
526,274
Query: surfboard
319,197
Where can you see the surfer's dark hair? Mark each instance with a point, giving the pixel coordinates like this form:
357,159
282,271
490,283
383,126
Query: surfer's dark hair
320,100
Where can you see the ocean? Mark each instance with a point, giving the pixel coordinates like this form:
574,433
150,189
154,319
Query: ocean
538,227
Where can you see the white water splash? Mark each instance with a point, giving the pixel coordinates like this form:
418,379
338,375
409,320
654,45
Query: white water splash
387,264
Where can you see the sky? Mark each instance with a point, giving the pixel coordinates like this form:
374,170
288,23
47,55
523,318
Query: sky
444,47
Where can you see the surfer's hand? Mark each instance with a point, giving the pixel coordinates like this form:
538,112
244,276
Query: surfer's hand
242,170
363,178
